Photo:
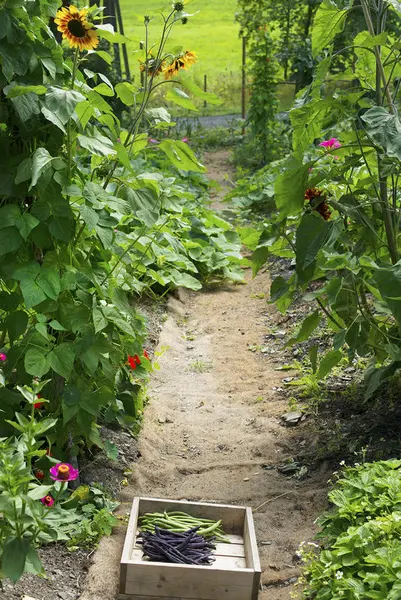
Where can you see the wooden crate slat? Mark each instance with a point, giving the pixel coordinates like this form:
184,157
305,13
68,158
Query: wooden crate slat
232,516
147,571
230,550
194,591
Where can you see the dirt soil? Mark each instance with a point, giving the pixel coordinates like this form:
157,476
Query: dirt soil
213,429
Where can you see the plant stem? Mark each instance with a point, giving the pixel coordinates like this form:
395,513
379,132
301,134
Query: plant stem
381,78
69,141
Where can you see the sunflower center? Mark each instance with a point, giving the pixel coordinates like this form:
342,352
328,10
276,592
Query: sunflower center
77,28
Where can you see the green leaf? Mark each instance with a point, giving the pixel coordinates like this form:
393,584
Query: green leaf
385,129
9,215
36,362
374,377
15,551
111,450
32,293
62,359
84,112
89,216
16,324
26,224
10,240
180,98
281,293
33,563
312,352
290,188
24,171
189,84
389,283
312,234
103,55
126,93
41,160
259,258
104,89
20,90
122,155
309,324
99,320
49,281
107,32
329,360
62,103
39,491
97,144
181,156
329,21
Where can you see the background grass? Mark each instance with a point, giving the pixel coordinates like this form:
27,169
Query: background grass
212,34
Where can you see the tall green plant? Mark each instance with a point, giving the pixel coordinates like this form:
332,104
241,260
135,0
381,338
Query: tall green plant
338,202
83,223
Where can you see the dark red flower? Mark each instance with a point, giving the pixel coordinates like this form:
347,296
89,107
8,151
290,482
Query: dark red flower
133,361
318,200
39,474
146,355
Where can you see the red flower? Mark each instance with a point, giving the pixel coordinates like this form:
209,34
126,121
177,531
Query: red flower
318,200
38,404
39,474
133,361
146,355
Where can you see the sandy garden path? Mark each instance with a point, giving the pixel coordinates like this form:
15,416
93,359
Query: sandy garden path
213,432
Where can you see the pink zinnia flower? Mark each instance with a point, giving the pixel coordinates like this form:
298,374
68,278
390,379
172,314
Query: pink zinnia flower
47,501
3,357
331,144
63,472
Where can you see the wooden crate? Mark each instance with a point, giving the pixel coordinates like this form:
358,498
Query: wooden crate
235,574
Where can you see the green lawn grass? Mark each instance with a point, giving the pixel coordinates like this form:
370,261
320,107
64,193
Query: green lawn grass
212,34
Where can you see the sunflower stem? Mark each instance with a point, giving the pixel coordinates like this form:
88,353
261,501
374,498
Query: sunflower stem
69,141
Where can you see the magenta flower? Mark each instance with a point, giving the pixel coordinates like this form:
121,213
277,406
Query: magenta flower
47,501
185,140
3,357
153,141
331,144
63,472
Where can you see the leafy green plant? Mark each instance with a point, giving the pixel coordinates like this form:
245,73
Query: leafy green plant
338,201
361,550
87,221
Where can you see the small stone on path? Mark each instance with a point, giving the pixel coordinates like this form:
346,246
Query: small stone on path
292,418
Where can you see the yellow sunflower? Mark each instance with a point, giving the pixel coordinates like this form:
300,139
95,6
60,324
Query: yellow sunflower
184,61
75,28
189,58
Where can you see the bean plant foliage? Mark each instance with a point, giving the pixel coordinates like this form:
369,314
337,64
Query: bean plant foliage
360,548
93,213
337,195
